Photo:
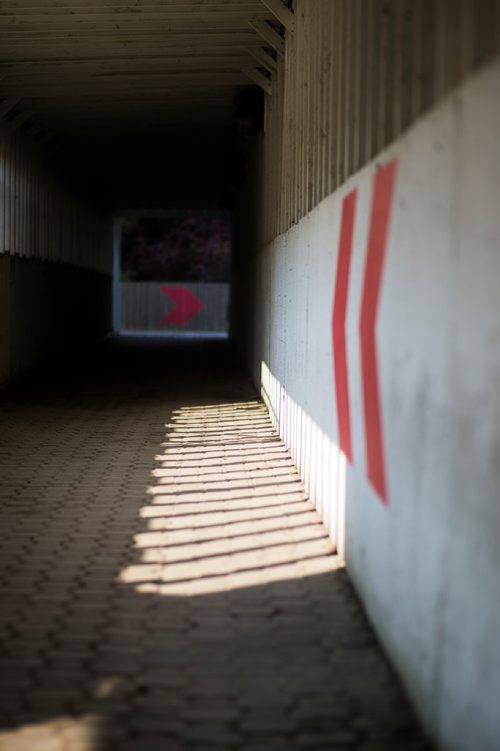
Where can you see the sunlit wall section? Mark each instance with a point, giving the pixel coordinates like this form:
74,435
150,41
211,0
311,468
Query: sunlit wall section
317,457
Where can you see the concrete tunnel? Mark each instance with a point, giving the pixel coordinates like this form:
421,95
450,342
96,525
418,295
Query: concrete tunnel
287,538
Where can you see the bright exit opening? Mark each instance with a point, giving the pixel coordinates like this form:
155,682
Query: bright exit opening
172,273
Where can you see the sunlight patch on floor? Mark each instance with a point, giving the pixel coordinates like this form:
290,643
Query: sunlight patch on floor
226,508
58,734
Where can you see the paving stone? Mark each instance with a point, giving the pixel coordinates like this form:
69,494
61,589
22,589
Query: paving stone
166,583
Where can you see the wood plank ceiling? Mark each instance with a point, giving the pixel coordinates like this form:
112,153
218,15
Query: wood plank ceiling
96,73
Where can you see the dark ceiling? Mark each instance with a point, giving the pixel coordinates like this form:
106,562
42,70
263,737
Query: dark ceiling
137,96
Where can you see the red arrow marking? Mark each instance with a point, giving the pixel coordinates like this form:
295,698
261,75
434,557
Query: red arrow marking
383,191
338,323
186,306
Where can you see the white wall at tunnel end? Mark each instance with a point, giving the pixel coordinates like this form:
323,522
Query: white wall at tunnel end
426,562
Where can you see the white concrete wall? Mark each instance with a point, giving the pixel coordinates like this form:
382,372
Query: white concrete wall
427,562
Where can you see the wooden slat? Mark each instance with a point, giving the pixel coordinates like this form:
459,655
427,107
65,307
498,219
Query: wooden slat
281,12
269,35
137,47
263,58
74,6
110,68
259,78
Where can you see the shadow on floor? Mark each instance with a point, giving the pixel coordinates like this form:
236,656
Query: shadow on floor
165,581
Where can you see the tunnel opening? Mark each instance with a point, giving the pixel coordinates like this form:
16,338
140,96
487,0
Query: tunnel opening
173,273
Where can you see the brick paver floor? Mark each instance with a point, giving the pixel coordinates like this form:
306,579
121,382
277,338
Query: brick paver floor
165,581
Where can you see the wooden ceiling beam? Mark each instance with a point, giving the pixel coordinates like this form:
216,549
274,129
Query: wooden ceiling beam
96,57
78,49
117,67
281,13
46,6
121,27
263,58
259,78
133,70
228,80
269,35
103,17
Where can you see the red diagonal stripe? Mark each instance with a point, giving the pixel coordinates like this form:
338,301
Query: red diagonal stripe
339,322
383,191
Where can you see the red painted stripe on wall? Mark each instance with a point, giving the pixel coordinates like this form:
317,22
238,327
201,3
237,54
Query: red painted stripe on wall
383,191
339,322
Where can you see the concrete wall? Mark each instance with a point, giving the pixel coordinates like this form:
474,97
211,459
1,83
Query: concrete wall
422,491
